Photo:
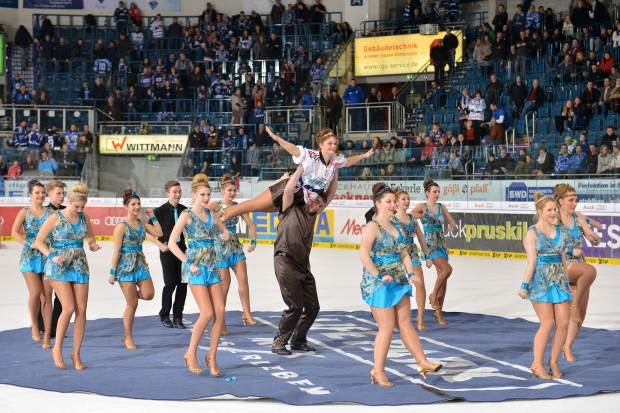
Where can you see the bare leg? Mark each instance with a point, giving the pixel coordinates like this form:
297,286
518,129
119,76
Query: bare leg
262,203
241,272
64,291
386,320
420,295
217,299
201,295
225,275
35,290
545,314
581,275
407,332
131,298
146,290
437,297
80,292
46,305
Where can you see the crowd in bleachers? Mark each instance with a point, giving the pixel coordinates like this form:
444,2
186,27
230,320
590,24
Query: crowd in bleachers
49,152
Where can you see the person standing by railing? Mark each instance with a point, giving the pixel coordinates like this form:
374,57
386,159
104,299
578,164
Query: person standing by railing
354,95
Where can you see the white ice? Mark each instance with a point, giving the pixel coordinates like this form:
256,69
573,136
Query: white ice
477,285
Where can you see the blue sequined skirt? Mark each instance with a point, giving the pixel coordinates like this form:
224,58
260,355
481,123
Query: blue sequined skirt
554,295
231,261
140,275
204,277
388,295
73,276
36,265
440,253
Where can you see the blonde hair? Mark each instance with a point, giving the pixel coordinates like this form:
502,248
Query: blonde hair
561,190
227,179
78,193
53,184
199,181
541,200
324,134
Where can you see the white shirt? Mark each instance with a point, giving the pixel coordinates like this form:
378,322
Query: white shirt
316,175
476,109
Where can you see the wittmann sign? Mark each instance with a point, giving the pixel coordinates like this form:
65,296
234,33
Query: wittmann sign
142,144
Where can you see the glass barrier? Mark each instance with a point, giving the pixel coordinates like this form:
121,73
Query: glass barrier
62,117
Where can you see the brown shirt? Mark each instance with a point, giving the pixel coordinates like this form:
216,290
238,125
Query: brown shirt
295,234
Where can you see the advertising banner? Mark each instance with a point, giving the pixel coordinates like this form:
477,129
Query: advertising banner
10,4
143,5
142,144
398,55
54,4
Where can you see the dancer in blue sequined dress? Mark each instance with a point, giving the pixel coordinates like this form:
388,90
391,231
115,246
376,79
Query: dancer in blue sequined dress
410,228
433,215
32,262
546,286
387,285
129,266
581,274
67,269
200,228
230,253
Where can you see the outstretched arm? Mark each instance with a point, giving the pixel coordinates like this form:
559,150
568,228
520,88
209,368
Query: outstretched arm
352,160
289,189
286,145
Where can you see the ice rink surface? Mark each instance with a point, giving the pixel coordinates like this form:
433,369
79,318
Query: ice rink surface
477,285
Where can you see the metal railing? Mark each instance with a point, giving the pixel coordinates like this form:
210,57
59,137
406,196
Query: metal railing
45,116
373,117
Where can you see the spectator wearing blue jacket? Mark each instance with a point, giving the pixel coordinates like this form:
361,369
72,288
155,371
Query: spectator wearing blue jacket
532,20
47,165
20,136
576,163
35,138
518,22
561,163
243,140
354,95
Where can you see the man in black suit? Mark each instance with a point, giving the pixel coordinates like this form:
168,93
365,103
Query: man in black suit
167,215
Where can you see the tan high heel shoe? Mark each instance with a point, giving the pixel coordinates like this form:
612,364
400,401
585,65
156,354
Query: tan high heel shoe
536,372
575,319
76,362
130,346
555,369
382,383
224,331
428,367
568,354
247,318
60,364
36,337
438,315
420,322
47,344
434,305
196,369
212,365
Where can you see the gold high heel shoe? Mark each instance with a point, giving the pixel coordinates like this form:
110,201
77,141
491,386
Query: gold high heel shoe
420,322
77,364
555,370
60,364
131,346
435,305
212,366
224,331
47,344
247,318
438,315
534,367
382,383
568,354
576,320
195,370
428,367
36,337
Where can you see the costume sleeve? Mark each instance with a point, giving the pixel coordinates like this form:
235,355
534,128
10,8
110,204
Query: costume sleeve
303,155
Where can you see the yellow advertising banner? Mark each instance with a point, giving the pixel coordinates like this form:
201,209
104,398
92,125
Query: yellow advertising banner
142,144
398,55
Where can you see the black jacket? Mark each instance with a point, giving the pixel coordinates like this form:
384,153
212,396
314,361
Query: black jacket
23,37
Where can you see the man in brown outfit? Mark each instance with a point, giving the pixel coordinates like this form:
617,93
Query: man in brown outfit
292,265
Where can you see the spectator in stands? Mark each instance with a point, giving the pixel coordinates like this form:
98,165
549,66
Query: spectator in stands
135,14
517,92
496,137
239,107
616,159
317,16
72,136
137,42
53,139
235,166
188,169
591,162
455,164
47,28
197,138
302,18
451,43
242,140
16,85
158,28
476,108
590,97
86,94
500,19
4,168
544,163
14,170
23,97
522,166
274,47
353,95
29,165
377,144
121,17
366,172
609,138
66,161
576,163
535,98
433,97
277,11
84,147
35,138
212,137
112,110
257,116
605,163
20,136
506,163
580,115
492,167
561,163
439,58
334,110
86,131
261,137
47,164
493,90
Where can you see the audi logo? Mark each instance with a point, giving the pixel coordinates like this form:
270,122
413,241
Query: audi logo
112,221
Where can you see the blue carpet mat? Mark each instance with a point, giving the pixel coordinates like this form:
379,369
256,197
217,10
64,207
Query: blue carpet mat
486,359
